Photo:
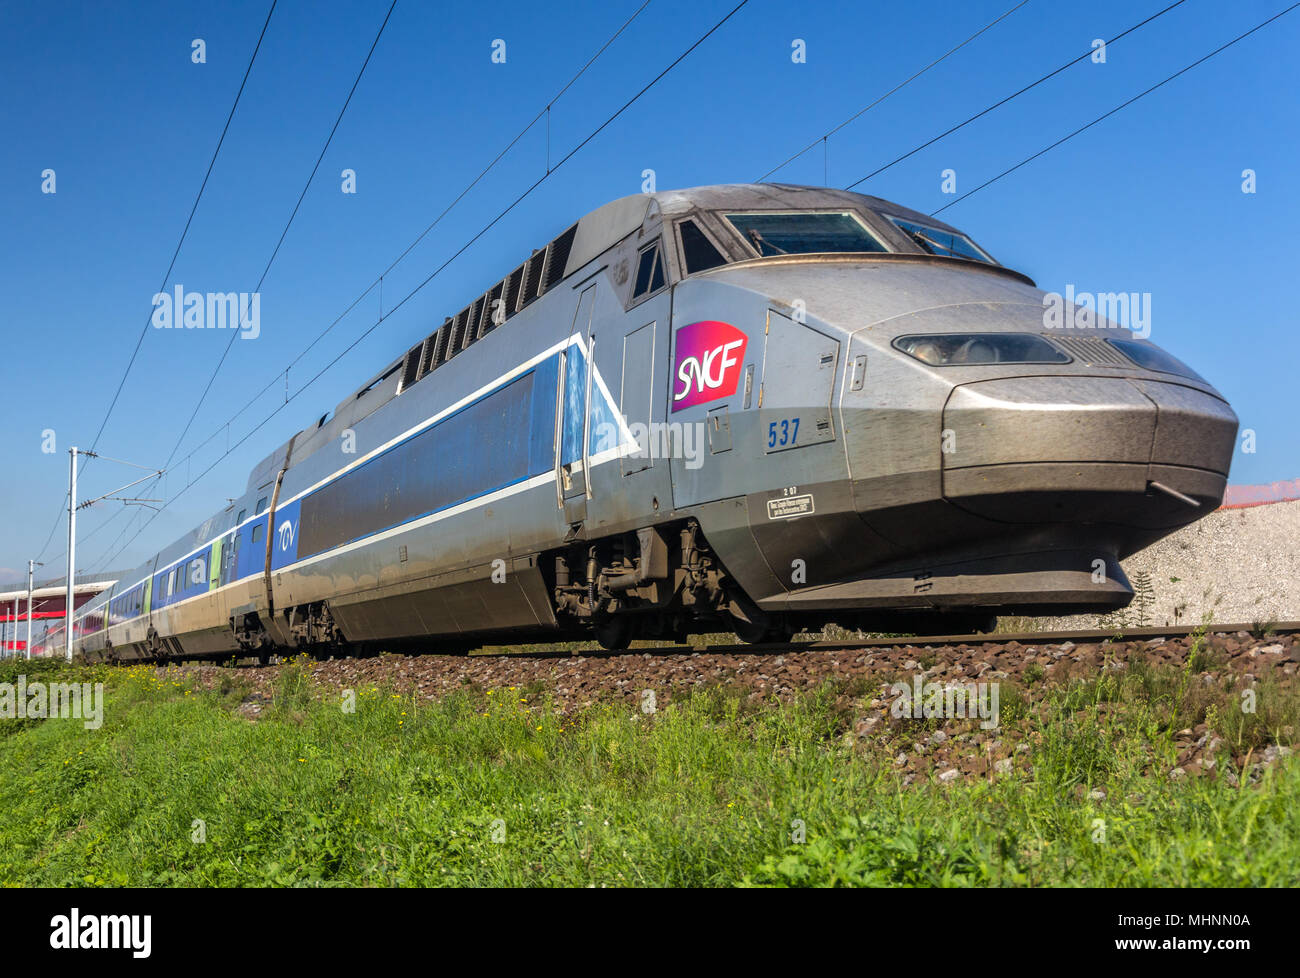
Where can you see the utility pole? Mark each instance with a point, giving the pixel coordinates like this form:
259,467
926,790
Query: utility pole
72,547
31,567
73,506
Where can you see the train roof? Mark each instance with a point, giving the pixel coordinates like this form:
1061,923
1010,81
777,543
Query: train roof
573,249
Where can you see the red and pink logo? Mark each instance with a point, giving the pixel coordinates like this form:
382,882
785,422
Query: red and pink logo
708,364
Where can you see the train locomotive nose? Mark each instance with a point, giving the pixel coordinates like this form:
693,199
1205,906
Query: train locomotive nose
1141,454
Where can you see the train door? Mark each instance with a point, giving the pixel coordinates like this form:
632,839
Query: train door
230,557
794,400
214,567
710,391
575,394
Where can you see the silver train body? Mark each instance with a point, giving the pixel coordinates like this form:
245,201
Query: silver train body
757,408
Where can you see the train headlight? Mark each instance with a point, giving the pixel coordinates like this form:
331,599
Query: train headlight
952,349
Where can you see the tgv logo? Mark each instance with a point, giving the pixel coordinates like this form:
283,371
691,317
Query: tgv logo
286,534
708,362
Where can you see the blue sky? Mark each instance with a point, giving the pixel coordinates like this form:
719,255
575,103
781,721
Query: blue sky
107,96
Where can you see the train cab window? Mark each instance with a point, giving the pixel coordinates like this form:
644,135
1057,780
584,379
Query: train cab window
698,251
969,349
810,232
936,242
649,272
240,518
257,531
261,505
1151,357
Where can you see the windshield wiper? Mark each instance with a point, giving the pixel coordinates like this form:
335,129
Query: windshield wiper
924,239
761,242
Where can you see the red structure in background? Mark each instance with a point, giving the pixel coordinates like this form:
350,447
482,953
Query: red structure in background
1239,497
48,607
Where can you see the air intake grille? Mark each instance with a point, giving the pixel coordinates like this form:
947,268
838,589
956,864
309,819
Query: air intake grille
1093,352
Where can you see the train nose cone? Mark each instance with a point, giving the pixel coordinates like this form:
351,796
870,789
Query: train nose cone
1087,449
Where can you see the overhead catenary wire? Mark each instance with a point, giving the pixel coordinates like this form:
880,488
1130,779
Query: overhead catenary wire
384,316
1122,105
283,234
171,265
901,85
280,241
379,279
1014,95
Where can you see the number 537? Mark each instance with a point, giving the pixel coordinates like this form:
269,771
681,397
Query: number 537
782,433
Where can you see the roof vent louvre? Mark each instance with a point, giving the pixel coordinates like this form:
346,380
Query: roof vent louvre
559,256
514,285
541,272
439,353
490,312
533,278
457,331
411,366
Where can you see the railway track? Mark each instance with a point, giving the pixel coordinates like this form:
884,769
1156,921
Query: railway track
980,639
572,679
997,638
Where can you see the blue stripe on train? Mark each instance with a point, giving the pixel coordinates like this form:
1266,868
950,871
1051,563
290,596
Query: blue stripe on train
499,440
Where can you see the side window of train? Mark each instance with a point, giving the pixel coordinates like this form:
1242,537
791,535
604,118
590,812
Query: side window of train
261,504
698,251
257,531
649,271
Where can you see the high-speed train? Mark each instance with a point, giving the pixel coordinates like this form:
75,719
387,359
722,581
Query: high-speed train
749,408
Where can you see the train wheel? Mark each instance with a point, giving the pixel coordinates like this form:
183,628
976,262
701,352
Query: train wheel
615,633
762,631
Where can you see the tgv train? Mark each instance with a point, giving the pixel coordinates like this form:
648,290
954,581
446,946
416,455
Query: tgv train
753,408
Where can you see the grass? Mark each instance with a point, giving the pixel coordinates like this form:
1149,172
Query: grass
494,787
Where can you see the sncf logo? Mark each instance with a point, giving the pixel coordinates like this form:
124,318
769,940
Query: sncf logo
708,363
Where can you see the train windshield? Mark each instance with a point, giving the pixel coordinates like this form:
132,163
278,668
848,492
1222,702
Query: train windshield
1153,358
949,349
936,242
810,232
